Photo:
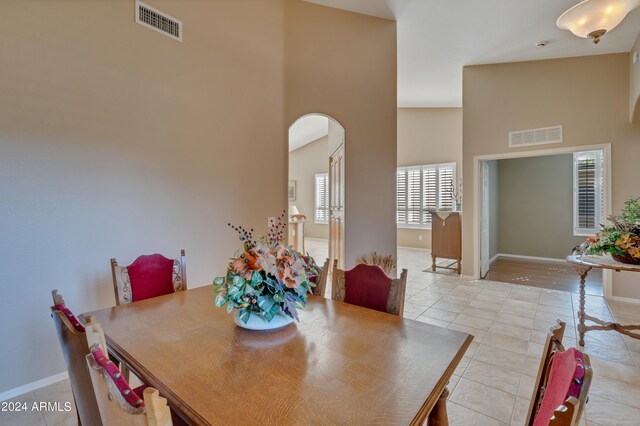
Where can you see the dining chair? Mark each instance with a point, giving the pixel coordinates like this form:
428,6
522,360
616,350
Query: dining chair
118,403
562,385
368,286
148,276
73,341
321,279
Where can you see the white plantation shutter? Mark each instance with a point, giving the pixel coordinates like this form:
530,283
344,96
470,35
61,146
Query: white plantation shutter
322,198
446,182
588,187
401,196
420,190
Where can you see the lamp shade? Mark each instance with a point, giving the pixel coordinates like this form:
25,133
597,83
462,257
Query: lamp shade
593,18
293,211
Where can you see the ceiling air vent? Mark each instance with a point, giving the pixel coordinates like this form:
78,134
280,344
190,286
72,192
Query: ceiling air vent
158,21
535,136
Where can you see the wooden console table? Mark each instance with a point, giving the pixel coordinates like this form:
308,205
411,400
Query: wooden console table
582,265
446,239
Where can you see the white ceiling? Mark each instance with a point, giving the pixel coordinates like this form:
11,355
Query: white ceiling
307,129
436,38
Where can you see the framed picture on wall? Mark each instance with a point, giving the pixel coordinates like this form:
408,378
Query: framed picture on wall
292,190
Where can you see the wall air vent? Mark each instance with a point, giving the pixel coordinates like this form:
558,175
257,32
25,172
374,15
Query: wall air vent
158,21
535,136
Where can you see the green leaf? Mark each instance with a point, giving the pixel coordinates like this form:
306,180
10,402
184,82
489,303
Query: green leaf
265,303
278,298
220,300
249,290
219,281
238,281
256,279
229,308
245,314
234,292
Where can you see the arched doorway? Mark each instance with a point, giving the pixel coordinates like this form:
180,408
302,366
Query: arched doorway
317,187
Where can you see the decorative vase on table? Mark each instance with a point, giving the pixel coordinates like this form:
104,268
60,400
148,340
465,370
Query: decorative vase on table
266,282
621,239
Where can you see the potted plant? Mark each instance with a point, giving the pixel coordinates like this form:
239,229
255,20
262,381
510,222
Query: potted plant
266,282
621,239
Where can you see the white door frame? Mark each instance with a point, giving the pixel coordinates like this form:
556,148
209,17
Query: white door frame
485,242
477,214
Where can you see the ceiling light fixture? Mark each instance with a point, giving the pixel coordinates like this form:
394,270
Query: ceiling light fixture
593,18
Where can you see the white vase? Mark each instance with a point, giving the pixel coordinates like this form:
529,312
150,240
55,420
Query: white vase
257,322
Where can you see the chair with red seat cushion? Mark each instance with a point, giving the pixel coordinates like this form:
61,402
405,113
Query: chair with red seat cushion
118,403
562,385
148,276
368,286
73,341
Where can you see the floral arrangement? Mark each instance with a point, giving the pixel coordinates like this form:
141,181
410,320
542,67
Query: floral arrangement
622,238
266,277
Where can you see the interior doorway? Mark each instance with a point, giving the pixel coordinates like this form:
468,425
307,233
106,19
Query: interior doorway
316,187
533,208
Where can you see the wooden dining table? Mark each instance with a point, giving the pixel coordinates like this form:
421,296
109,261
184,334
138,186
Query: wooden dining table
340,364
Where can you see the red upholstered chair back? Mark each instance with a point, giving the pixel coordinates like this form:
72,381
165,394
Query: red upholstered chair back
73,342
118,403
148,276
368,286
562,385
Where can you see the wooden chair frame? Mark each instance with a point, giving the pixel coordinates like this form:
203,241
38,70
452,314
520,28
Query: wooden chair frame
395,303
121,279
323,275
570,412
74,348
114,409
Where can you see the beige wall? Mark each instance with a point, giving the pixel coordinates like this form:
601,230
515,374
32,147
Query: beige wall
634,97
304,163
428,136
504,97
118,141
536,206
344,65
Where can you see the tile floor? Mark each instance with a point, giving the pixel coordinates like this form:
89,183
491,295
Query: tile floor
493,383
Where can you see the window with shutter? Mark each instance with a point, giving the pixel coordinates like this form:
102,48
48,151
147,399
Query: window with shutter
588,188
322,198
422,189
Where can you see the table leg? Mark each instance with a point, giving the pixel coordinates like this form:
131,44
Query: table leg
582,272
433,263
438,416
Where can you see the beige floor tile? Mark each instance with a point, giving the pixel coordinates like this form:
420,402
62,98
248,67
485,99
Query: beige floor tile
511,330
538,336
462,416
616,390
462,366
60,393
440,314
448,306
535,350
531,366
472,349
516,320
486,305
452,383
614,370
517,311
505,342
606,412
484,399
433,321
479,313
500,358
493,376
471,321
525,389
477,334
520,412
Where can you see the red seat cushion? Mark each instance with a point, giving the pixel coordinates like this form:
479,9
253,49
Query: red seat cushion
129,395
565,380
72,318
150,276
367,286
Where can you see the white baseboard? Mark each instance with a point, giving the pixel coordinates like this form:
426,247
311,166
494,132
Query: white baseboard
29,387
519,256
623,300
493,258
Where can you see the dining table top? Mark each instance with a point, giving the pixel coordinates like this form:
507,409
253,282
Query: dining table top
340,364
